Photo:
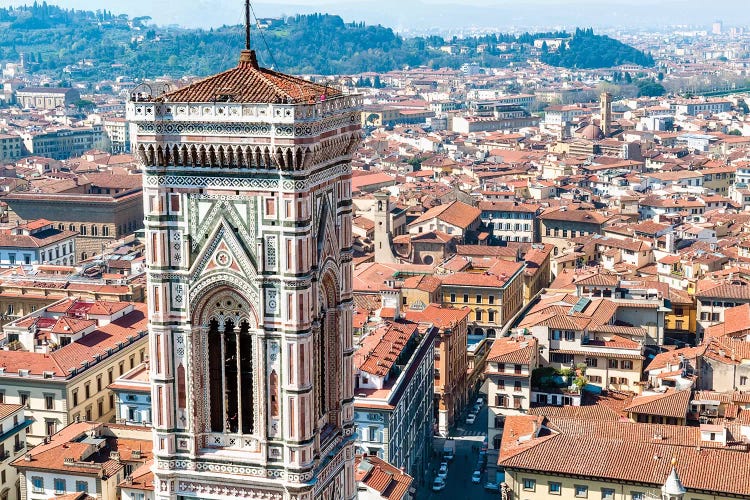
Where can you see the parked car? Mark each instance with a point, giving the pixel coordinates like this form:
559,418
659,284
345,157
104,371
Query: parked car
480,401
443,470
438,484
492,486
471,418
476,477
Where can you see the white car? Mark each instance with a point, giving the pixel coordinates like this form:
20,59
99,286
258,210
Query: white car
438,484
491,486
476,478
480,402
471,418
443,471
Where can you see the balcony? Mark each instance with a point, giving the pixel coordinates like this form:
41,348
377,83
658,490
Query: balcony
4,456
19,446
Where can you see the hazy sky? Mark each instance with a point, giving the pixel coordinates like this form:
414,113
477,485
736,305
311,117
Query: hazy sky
421,14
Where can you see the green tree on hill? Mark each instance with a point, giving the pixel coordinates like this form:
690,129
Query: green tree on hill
587,51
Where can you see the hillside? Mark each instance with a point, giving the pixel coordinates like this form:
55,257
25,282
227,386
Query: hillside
95,46
588,51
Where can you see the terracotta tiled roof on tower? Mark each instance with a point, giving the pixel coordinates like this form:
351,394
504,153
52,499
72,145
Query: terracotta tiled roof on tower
249,83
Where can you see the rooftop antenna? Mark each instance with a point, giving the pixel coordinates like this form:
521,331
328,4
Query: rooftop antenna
247,24
247,56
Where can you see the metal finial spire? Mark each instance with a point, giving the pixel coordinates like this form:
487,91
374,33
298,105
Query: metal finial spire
247,24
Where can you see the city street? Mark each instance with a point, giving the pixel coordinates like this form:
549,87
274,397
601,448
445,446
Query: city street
458,484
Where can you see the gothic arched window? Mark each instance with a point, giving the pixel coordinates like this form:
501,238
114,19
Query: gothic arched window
230,371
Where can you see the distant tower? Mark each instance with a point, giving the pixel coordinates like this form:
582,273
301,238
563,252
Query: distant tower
673,488
383,249
717,27
606,105
247,198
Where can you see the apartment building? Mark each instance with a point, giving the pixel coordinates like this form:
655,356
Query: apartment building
58,360
715,298
510,220
510,362
37,242
620,460
23,294
456,219
379,480
64,143
583,333
393,412
132,392
99,217
494,295
558,225
11,147
13,425
117,131
451,360
84,457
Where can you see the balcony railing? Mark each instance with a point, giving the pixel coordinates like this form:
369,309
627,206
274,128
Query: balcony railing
19,446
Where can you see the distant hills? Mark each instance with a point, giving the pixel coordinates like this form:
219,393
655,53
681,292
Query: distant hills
95,46
589,51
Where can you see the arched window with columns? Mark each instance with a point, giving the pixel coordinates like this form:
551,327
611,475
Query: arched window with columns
230,366
328,353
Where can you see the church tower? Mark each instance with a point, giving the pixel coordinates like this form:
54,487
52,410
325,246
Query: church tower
247,195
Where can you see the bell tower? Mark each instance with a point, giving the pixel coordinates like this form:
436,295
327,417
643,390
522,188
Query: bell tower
247,193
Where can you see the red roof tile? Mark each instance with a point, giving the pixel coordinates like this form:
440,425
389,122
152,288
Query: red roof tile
249,83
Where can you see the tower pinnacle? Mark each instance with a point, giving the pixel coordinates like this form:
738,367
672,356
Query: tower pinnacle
673,488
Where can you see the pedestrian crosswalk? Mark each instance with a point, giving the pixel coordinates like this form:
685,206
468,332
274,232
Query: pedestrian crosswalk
462,432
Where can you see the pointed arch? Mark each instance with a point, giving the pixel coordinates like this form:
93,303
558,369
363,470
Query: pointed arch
231,161
240,158
299,159
193,156
202,157
142,154
267,163
211,156
249,159
258,157
167,155
220,156
289,159
151,155
227,362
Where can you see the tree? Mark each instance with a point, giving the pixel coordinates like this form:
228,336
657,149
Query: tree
83,104
735,132
650,88
660,76
628,78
